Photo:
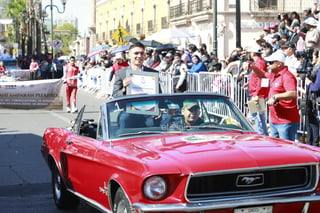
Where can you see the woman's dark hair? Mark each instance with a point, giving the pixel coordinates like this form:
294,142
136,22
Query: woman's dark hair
192,47
295,14
204,46
196,56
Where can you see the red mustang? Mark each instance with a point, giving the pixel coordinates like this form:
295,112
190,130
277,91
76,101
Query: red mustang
179,153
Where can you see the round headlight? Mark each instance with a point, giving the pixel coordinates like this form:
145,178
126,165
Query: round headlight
155,188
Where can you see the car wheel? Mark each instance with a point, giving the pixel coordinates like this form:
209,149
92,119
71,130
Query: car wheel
121,203
62,197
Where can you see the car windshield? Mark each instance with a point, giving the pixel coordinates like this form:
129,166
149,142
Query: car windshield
173,114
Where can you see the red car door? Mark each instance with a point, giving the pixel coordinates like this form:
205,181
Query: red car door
79,164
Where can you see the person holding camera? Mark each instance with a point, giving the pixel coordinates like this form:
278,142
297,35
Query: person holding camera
282,97
258,91
313,83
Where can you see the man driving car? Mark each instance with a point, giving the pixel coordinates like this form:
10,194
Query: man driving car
191,112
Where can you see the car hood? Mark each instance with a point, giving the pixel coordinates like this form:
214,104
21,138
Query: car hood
207,152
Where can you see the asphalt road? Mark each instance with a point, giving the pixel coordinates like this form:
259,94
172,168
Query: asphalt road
25,180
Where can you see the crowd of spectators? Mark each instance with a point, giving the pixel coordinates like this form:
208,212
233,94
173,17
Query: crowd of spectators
295,37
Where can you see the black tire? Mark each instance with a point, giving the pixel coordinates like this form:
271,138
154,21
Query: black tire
62,197
121,203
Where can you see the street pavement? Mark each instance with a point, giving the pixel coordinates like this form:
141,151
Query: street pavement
25,180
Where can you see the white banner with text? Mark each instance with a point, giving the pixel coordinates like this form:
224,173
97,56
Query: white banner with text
37,94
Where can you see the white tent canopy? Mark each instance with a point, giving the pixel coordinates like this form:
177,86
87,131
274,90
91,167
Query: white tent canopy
169,34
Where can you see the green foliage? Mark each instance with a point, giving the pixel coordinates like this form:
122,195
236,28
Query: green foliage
66,33
13,11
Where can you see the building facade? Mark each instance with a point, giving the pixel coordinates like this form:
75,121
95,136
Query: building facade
142,18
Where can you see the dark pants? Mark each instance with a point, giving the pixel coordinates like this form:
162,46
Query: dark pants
312,129
33,75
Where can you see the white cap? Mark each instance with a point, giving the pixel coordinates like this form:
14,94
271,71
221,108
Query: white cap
276,56
118,56
255,49
311,21
181,48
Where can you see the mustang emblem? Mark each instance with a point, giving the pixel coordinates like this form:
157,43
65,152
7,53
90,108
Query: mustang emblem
250,180
104,189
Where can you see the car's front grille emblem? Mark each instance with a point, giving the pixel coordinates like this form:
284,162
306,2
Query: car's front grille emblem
250,180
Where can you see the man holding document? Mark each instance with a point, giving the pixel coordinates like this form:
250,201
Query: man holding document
136,78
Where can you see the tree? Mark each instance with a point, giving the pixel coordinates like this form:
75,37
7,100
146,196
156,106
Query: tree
13,10
66,33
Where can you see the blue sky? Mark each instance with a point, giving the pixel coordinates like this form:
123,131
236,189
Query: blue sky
77,8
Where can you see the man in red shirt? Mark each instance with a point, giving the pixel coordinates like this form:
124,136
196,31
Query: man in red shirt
282,98
257,90
118,65
71,73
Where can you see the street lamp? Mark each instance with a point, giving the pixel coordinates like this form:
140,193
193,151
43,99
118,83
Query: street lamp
63,2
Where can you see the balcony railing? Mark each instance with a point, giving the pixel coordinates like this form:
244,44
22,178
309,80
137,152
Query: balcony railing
193,7
178,11
197,6
256,6
278,6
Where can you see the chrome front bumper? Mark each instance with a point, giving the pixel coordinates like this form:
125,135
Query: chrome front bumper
205,206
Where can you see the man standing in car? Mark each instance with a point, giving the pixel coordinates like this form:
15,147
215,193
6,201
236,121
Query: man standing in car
122,82
137,57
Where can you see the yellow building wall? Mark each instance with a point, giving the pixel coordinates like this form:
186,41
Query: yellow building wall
110,14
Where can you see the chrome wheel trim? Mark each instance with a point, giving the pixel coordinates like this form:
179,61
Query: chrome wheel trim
57,186
122,207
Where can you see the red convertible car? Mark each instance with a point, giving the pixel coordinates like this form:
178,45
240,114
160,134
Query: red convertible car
178,153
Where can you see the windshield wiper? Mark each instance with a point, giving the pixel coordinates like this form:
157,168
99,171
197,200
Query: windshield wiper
150,133
140,133
215,127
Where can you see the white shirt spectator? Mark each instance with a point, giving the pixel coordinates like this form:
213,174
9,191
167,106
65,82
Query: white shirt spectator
292,63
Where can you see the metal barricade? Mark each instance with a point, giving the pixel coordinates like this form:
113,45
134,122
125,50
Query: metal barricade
165,81
221,83
192,82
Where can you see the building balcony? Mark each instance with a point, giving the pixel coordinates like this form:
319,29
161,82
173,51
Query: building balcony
279,6
200,10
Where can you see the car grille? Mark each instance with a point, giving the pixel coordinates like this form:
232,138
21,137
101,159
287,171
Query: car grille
252,182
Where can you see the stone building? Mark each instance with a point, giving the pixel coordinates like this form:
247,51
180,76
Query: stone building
142,18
